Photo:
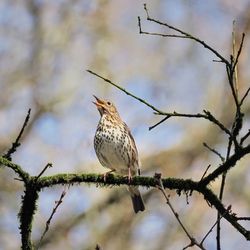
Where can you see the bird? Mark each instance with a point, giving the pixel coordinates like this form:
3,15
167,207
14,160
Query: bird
115,148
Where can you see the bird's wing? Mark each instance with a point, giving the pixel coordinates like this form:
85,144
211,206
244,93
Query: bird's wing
135,158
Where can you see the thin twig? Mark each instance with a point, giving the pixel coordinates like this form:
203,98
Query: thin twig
235,69
158,34
243,218
211,118
245,137
161,188
207,115
125,91
226,165
17,143
244,97
239,51
230,77
187,35
58,203
222,186
205,172
237,125
210,230
48,165
158,123
218,61
217,221
177,114
214,151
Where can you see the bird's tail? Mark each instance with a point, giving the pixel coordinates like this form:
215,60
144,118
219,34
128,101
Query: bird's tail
137,201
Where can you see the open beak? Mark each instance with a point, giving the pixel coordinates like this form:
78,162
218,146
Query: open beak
99,103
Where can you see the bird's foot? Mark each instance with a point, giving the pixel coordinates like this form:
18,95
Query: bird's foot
129,176
107,173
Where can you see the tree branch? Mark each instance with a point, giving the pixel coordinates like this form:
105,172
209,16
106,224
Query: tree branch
171,183
16,144
226,165
33,185
125,91
239,51
18,169
58,203
186,35
26,214
193,241
207,115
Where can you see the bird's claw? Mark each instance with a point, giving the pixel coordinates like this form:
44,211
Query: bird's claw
129,176
107,173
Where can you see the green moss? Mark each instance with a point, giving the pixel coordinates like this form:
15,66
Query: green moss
18,169
26,214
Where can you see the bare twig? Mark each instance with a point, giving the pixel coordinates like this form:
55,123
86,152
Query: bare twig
237,125
187,35
125,91
211,229
17,143
214,151
161,121
161,188
233,58
158,34
239,51
218,61
245,137
230,76
205,172
58,203
222,186
211,118
207,115
225,166
48,165
244,97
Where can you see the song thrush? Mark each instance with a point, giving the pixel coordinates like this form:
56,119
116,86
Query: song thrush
115,147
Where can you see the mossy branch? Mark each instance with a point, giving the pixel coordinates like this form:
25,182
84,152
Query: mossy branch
18,169
33,184
179,185
26,214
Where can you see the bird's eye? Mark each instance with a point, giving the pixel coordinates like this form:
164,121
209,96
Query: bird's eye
109,103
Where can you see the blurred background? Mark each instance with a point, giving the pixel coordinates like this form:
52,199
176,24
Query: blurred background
46,48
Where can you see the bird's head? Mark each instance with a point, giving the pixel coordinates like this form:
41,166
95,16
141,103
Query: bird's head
106,107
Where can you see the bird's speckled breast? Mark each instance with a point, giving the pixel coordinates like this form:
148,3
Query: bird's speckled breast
113,146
